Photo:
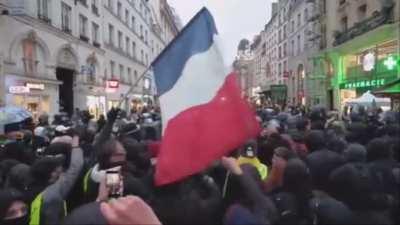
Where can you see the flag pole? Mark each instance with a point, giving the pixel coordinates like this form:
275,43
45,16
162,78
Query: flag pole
158,56
134,85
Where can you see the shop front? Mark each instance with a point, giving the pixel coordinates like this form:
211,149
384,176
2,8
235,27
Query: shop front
38,96
90,97
362,68
374,72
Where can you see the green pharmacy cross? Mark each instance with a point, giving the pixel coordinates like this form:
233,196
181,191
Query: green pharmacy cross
390,63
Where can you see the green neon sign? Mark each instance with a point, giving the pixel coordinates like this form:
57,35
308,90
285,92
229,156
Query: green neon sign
390,63
363,84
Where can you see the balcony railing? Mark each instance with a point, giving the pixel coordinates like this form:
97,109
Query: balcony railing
66,30
96,44
44,18
363,27
84,38
380,70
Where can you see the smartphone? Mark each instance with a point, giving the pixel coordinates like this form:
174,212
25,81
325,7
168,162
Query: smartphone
114,183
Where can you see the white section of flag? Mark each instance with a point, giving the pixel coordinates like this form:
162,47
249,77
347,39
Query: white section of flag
202,77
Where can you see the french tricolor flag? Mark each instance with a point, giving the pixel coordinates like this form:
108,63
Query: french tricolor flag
204,116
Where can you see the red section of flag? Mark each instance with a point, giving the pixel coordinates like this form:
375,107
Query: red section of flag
202,134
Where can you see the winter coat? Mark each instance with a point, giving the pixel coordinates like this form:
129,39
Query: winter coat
52,207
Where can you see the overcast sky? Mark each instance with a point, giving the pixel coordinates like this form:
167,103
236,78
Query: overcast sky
235,19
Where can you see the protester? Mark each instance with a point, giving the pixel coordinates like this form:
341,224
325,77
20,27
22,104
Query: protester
304,168
13,209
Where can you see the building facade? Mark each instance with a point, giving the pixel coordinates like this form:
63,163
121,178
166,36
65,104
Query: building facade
64,54
362,48
304,41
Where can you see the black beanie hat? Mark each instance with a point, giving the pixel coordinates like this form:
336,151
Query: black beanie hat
7,197
41,170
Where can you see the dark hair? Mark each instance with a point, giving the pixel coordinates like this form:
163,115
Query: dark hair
315,140
138,154
266,148
297,180
337,145
284,153
355,153
42,168
377,149
60,148
105,152
302,123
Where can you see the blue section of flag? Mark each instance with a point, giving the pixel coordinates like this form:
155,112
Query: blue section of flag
195,38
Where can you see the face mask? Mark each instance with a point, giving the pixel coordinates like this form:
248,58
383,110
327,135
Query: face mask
17,221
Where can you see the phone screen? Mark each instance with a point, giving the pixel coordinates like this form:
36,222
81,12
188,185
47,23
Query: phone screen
113,182
112,178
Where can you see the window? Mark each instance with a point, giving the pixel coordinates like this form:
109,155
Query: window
95,32
127,45
304,39
121,73
130,75
126,16
280,35
299,19
343,23
141,56
292,26
284,31
305,15
285,66
65,17
134,49
83,2
147,59
145,36
111,5
298,44
280,69
112,68
120,40
83,25
280,52
292,48
133,25
95,8
362,12
111,35
119,9
135,74
284,49
152,46
43,9
141,31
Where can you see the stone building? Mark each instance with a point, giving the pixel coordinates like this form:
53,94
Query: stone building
58,55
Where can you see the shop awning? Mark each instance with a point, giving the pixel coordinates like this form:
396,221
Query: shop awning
392,88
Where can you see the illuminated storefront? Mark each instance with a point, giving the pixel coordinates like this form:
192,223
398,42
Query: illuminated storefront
368,70
96,105
36,95
361,64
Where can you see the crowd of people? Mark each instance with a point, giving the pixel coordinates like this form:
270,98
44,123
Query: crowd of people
306,167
